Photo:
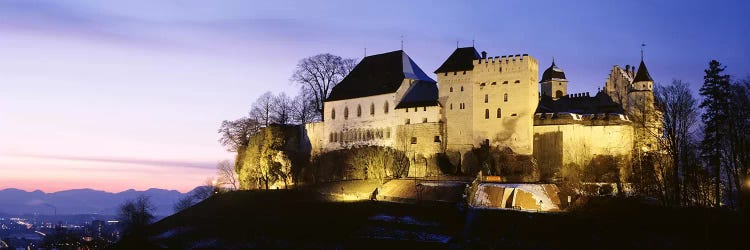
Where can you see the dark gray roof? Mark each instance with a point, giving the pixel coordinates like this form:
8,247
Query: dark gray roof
377,75
461,59
420,94
642,74
553,72
600,103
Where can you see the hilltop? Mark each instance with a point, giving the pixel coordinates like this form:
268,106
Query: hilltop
304,219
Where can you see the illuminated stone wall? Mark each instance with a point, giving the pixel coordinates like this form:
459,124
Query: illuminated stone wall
576,144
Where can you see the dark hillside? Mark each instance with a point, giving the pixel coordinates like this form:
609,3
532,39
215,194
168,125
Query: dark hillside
294,219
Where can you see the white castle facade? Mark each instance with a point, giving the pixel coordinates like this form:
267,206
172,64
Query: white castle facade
387,100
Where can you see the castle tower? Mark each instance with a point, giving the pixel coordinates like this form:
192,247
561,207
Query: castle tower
554,84
642,111
455,78
488,100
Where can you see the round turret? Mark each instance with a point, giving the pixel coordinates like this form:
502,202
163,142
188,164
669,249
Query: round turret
553,73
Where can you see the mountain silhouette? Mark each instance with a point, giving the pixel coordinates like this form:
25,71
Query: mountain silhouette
81,201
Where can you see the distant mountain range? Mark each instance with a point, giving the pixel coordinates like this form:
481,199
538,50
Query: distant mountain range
81,201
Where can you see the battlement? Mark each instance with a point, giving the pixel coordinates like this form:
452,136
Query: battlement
562,118
579,95
506,59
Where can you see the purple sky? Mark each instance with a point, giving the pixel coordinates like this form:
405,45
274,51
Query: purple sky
128,94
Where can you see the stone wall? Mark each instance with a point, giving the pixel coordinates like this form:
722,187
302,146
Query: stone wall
578,145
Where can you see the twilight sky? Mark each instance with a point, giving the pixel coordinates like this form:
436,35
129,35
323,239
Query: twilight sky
115,95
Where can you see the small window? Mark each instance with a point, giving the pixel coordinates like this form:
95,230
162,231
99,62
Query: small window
414,140
505,97
415,109
559,83
462,88
486,114
451,106
346,113
408,121
486,98
482,84
424,120
437,138
501,69
446,74
407,110
464,72
372,109
424,108
333,114
505,82
388,133
359,111
514,114
455,73
385,108
330,138
518,81
499,113
451,89
494,83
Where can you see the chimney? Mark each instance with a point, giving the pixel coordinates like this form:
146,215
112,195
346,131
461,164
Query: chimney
484,54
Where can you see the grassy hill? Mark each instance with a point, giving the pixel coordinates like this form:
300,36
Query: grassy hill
300,219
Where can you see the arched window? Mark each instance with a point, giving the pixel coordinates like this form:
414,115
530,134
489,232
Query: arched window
462,88
499,113
451,105
359,110
372,108
451,89
486,98
385,107
346,113
558,94
505,97
486,114
333,114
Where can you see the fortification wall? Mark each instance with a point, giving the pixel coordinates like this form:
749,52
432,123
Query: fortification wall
557,146
420,142
312,139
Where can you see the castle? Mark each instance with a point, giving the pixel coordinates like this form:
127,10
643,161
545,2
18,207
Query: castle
387,100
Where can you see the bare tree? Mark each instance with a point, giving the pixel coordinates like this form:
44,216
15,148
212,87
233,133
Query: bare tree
680,115
304,109
282,108
235,135
227,176
135,215
320,73
262,109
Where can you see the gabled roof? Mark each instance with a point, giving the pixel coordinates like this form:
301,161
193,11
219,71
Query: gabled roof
461,59
553,73
420,94
642,74
377,75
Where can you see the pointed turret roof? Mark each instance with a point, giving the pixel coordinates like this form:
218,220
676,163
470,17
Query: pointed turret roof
642,74
553,73
461,59
377,75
